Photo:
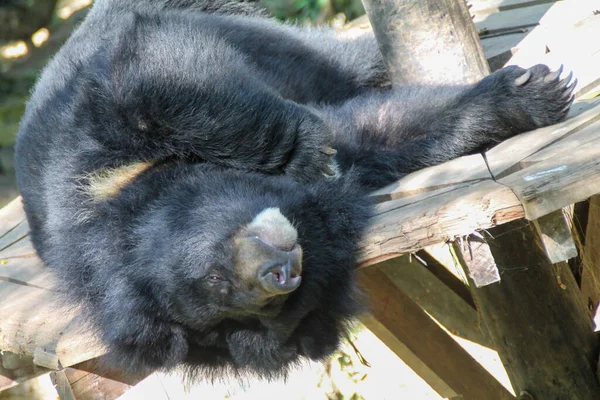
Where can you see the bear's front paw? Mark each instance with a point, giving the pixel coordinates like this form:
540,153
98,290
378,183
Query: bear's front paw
312,157
541,98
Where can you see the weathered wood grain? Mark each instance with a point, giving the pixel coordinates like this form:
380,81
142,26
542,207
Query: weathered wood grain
497,44
536,318
31,320
464,170
561,179
62,385
564,37
422,336
409,224
32,323
494,6
10,216
510,19
511,155
432,295
429,41
16,369
555,234
478,261
408,357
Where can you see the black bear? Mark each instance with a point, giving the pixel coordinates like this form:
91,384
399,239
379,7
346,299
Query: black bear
197,174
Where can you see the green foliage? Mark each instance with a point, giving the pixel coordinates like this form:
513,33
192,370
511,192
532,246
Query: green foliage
313,11
10,115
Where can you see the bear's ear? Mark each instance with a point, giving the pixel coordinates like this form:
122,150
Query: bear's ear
267,255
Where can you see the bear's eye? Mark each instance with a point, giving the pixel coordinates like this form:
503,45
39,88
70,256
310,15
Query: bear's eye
214,278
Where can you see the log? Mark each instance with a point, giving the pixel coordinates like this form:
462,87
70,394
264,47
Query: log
427,41
536,318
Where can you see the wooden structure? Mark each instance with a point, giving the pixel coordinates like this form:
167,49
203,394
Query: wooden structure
538,317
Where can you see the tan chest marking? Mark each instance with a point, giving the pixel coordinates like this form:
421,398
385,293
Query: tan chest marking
108,182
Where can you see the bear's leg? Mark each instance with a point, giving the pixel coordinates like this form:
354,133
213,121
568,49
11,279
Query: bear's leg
393,133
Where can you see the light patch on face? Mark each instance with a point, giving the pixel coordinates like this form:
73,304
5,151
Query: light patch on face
266,239
107,183
272,227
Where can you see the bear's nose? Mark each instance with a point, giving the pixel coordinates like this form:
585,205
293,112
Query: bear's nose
281,274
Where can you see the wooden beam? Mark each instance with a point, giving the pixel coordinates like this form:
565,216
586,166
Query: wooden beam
432,295
436,349
16,369
493,6
560,175
590,262
511,19
551,43
62,385
452,282
427,41
409,224
480,265
512,155
536,318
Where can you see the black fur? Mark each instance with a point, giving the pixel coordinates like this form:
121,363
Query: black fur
237,114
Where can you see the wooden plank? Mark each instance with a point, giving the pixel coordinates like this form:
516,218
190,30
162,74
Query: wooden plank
536,318
432,295
149,388
464,170
507,157
422,336
450,280
32,324
19,232
555,233
16,369
566,23
62,385
494,45
409,224
511,19
20,249
565,178
569,13
494,6
90,386
478,261
10,216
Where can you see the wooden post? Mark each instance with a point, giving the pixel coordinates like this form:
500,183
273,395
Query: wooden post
427,41
537,319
